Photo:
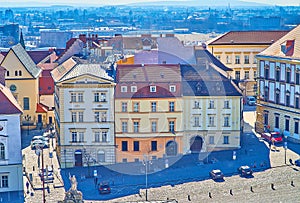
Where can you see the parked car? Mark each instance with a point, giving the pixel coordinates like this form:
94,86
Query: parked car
216,174
104,188
245,171
40,141
297,162
272,136
251,100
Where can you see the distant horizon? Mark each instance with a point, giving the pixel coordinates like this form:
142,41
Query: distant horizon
20,3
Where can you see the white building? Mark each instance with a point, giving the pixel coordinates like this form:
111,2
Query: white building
11,175
84,111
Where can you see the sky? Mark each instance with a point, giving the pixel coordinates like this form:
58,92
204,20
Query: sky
112,2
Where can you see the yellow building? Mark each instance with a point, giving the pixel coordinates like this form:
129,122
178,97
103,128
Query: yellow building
237,50
279,87
22,78
148,112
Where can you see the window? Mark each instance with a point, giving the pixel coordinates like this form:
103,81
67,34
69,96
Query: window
277,122
255,60
7,73
73,97
26,103
211,121
74,117
211,104
153,126
277,74
4,181
246,74
124,146
74,136
254,74
153,145
196,105
104,136
124,107
288,77
136,126
172,88
152,88
135,107
153,106
287,124
96,97
123,88
297,103
2,151
297,78
80,116
228,59
296,127
97,136
267,73
226,104
136,146
172,126
124,160
277,98
211,139
287,101
133,89
103,116
103,97
171,106
246,59
196,121
237,75
16,73
237,59
266,118
81,136
136,160
97,116
226,121
80,97
226,139
101,156
20,73
124,127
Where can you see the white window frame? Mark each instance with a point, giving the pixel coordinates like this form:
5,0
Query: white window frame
133,88
123,88
172,88
152,88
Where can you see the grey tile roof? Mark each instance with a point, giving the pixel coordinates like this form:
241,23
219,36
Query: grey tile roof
26,60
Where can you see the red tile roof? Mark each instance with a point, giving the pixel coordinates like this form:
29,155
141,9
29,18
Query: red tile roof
8,104
46,86
249,37
40,108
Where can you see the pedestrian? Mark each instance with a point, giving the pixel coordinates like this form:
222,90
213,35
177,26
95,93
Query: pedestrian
291,161
27,186
48,189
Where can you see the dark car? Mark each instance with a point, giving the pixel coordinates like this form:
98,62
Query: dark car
216,174
297,162
104,188
245,171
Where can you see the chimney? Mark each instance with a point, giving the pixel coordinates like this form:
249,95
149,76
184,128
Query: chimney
2,75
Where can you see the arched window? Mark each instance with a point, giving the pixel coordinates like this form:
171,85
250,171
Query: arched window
2,151
16,73
20,73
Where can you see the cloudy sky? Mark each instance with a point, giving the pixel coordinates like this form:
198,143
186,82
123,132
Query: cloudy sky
112,2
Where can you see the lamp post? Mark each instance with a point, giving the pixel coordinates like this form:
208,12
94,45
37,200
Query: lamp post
285,148
27,118
65,151
146,162
39,151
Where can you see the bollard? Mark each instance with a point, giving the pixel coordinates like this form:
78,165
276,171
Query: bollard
189,197
272,186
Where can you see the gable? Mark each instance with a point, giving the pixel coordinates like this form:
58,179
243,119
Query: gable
88,79
8,104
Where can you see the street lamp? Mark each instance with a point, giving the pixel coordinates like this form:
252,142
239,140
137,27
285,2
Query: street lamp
39,151
146,162
285,148
27,118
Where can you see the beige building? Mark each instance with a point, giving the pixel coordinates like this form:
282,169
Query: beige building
84,112
279,86
237,50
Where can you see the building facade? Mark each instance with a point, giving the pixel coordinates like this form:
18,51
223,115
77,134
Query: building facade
148,112
279,86
11,170
237,50
84,111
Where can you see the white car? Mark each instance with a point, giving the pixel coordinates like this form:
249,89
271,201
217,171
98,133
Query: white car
251,100
40,141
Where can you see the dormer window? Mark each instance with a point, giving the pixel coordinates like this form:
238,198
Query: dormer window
172,88
133,89
152,88
123,88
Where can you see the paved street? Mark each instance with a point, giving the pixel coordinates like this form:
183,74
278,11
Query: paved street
187,176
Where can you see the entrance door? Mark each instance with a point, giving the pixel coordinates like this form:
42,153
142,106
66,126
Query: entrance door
78,158
50,120
196,144
171,148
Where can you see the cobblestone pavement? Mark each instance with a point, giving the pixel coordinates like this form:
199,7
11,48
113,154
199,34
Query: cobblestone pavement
34,194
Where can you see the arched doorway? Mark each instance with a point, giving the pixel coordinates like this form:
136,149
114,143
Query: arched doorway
171,148
78,157
196,144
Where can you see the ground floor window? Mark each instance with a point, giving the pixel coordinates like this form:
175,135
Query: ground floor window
101,156
296,130
4,181
277,122
226,139
287,124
